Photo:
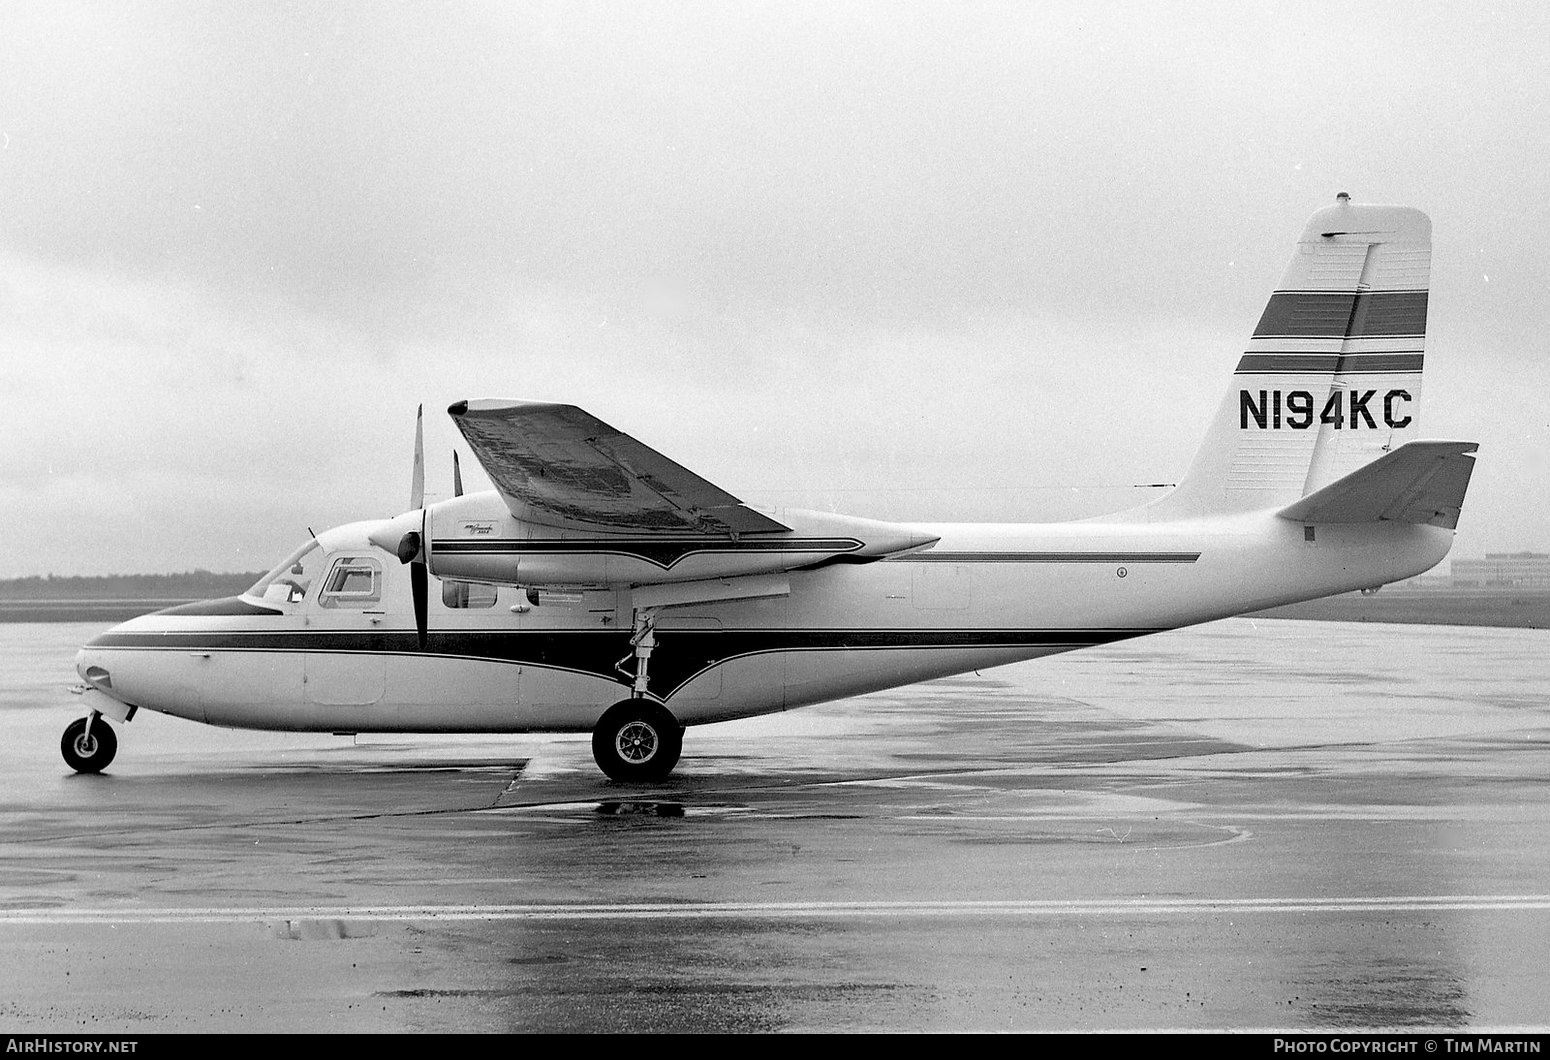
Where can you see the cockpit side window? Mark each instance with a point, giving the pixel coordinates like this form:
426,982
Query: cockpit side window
353,581
458,595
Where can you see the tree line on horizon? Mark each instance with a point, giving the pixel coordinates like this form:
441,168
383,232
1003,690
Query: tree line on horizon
194,584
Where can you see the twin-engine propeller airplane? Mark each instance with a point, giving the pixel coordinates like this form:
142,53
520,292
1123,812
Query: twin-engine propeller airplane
601,587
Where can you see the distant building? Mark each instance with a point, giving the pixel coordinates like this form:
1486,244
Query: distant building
1503,570
1498,570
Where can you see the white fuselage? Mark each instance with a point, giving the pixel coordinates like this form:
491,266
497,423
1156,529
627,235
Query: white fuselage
983,595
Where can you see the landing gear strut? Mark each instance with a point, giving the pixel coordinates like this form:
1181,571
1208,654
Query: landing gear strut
642,643
88,744
638,739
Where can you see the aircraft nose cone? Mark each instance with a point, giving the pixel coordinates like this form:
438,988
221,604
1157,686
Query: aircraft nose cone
97,656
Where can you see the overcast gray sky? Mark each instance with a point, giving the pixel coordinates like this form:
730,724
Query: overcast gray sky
924,261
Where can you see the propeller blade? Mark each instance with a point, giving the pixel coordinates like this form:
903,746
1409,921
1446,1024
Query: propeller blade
411,551
457,476
417,483
419,582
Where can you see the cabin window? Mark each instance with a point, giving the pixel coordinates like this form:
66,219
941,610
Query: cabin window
460,595
354,581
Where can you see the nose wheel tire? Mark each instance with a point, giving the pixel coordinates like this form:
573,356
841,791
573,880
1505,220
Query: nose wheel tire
88,752
637,740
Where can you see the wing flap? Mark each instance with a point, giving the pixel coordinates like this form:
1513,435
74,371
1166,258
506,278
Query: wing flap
1421,482
557,465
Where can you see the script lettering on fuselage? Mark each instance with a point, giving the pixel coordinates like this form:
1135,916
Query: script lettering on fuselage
1353,410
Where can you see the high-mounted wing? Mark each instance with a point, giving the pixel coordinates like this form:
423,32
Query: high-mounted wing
559,466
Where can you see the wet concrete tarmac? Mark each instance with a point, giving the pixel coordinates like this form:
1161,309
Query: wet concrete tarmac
1266,825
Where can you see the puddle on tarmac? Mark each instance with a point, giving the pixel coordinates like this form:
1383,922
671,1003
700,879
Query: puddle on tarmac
628,808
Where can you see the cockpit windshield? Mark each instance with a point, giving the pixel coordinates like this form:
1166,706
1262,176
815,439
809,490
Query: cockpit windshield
288,583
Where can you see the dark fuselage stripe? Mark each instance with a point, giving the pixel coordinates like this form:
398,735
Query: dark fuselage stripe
680,654
1047,557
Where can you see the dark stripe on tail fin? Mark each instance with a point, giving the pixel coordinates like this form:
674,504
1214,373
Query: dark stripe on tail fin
1342,315
1344,364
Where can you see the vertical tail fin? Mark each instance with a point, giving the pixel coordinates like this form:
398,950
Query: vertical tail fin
1331,379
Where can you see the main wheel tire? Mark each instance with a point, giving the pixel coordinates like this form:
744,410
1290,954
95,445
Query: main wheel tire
637,740
88,753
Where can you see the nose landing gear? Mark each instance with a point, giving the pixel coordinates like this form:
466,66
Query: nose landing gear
88,744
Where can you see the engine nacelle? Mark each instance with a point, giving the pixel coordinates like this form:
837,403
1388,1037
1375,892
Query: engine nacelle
475,538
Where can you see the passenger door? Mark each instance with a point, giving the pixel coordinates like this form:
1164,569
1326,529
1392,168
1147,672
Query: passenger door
346,660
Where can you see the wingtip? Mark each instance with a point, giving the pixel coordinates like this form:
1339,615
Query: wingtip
457,408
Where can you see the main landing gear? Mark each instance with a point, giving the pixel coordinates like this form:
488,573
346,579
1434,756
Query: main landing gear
638,739
88,744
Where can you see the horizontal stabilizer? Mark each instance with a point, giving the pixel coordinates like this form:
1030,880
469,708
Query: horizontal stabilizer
1420,482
